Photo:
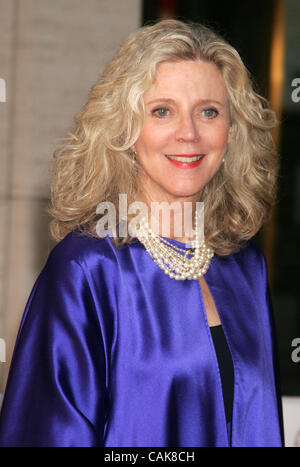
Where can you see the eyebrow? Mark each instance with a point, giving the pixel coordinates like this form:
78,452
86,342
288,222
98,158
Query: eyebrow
201,101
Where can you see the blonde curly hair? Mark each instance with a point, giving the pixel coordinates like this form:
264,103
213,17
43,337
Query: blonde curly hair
94,163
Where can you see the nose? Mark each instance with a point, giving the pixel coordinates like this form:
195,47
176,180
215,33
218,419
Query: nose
187,130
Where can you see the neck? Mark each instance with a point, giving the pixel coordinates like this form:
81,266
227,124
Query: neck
173,220
168,215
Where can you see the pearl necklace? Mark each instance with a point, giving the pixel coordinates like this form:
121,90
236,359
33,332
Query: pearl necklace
170,258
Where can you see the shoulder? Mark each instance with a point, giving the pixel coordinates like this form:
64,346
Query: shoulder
64,286
249,263
251,254
78,250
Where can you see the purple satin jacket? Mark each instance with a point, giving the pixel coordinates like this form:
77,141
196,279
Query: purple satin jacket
112,352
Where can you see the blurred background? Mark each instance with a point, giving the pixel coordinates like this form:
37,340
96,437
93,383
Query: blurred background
51,52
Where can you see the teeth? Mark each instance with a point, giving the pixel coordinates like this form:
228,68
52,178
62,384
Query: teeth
185,159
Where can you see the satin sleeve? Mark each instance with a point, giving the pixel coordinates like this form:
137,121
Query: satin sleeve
273,345
56,392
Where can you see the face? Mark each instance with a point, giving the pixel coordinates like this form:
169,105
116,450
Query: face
185,133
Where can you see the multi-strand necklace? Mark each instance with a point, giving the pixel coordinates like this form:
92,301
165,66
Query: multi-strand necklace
177,263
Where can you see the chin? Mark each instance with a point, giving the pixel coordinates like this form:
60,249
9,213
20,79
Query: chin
187,194
187,191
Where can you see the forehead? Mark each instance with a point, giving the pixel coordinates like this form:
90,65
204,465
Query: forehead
188,79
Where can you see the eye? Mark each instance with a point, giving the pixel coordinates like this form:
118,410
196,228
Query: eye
161,112
211,113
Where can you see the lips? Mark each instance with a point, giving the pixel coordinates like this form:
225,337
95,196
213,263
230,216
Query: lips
185,161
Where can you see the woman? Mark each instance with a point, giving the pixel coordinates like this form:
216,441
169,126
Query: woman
143,339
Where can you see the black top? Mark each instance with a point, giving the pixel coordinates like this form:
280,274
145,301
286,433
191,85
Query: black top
226,368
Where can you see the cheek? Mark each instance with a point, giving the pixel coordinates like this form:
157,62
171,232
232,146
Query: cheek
150,140
220,137
144,141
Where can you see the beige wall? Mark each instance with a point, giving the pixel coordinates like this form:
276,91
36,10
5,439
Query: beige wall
51,52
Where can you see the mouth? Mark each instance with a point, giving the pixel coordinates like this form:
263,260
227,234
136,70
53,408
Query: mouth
185,161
